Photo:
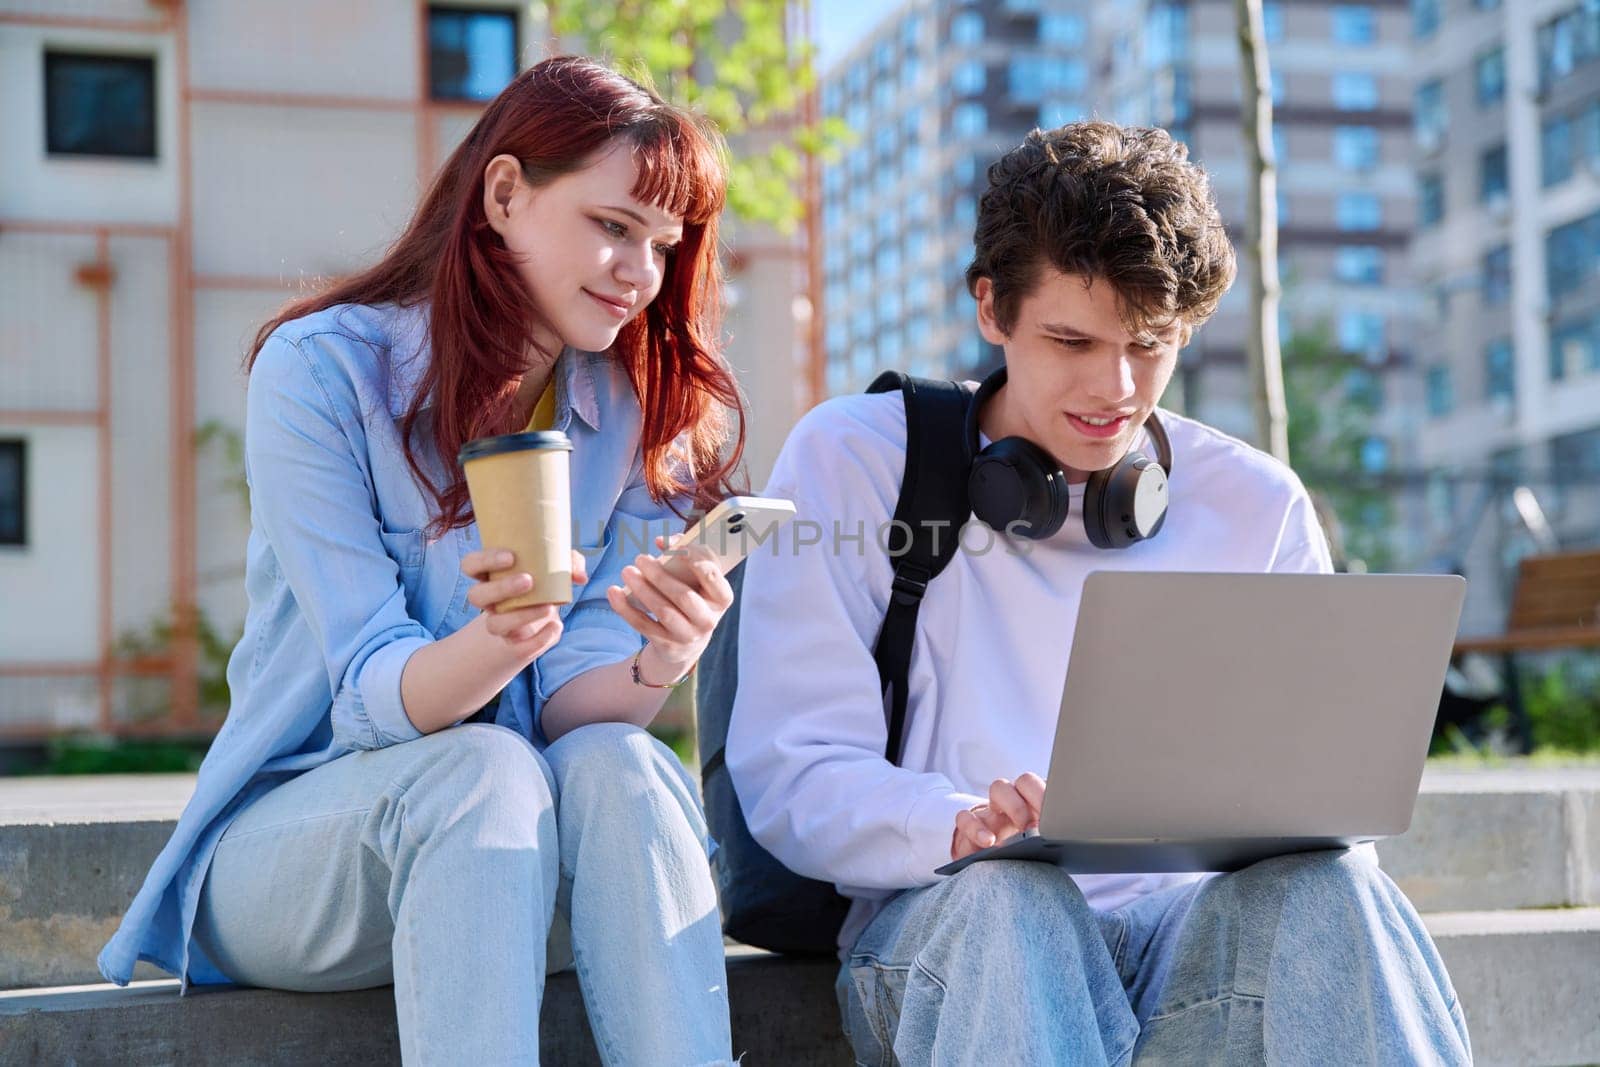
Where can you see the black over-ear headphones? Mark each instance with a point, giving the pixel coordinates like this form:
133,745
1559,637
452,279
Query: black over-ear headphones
1019,488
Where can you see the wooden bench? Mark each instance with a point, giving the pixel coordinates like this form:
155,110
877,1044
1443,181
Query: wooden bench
1554,605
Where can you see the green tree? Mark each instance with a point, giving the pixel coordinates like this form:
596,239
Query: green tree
734,61
1332,398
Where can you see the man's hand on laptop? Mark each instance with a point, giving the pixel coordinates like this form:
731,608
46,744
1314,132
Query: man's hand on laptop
1012,808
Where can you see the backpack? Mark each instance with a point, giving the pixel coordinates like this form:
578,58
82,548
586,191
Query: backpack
763,902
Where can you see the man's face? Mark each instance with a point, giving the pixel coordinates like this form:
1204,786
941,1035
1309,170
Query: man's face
1079,384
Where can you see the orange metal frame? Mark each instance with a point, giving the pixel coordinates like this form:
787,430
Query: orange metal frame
182,664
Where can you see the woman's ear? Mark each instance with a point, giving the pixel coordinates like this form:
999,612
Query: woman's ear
500,180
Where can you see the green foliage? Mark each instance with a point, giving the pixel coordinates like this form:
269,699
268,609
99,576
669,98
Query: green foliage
94,755
1562,702
216,437
1563,711
733,62
1332,400
215,649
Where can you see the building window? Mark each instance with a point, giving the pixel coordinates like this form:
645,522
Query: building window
1497,275
1375,455
1493,174
1577,454
1489,72
1441,392
1033,78
1358,211
968,78
1572,255
1272,20
1359,264
1062,30
1430,199
472,52
1555,151
966,28
1354,91
1499,371
1166,34
1356,147
13,492
1591,126
99,105
969,120
1424,17
1575,346
1362,333
1354,24
1431,117
1568,41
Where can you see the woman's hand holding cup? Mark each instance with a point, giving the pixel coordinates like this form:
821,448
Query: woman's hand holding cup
528,632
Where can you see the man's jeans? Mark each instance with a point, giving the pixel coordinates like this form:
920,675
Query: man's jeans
440,863
1308,959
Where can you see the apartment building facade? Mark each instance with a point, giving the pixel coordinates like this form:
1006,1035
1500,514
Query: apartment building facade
1507,255
173,174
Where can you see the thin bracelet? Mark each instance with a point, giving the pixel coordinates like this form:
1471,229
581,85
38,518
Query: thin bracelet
638,679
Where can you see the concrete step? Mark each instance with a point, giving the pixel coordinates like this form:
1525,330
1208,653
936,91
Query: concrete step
783,1011
1529,984
1483,840
74,850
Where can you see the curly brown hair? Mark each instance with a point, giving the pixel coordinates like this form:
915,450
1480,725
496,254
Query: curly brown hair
1099,200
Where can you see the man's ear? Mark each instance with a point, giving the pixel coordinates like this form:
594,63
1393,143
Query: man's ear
988,325
500,180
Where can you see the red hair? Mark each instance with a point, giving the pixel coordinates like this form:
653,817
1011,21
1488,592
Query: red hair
556,117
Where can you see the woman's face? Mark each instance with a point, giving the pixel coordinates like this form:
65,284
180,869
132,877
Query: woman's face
590,254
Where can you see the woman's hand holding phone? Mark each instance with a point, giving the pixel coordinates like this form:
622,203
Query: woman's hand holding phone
675,610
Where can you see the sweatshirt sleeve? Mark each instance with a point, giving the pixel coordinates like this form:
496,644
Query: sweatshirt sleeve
807,734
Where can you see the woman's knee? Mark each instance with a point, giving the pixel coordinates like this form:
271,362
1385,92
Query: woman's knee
489,764
604,755
619,769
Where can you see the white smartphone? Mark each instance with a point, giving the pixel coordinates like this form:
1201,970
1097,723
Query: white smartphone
731,530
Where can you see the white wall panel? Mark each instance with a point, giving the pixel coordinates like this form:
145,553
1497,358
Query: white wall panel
294,192
141,435
351,48
225,323
48,323
49,589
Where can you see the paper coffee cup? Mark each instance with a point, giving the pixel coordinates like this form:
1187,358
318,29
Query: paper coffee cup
522,498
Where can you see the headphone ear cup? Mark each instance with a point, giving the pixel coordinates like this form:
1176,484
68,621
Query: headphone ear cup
1015,481
1125,503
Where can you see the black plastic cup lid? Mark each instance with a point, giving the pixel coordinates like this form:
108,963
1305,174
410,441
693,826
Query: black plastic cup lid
544,440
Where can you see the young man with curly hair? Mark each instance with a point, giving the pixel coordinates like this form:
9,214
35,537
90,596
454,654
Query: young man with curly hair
1099,252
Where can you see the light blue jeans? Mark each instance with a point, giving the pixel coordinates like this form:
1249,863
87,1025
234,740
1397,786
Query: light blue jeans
439,864
1308,959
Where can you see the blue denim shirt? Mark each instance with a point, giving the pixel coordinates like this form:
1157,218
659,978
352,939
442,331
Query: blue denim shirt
344,585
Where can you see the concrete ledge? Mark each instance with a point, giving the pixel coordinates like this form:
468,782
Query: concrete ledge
783,1012
1529,982
1501,839
74,850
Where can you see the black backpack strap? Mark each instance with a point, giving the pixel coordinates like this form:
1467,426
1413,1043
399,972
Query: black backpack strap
932,508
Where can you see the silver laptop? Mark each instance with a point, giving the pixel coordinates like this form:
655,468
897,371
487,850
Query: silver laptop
1209,721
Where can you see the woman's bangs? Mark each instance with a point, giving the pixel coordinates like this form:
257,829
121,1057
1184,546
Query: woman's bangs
680,170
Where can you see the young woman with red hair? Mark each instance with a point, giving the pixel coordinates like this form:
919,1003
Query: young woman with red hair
412,786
